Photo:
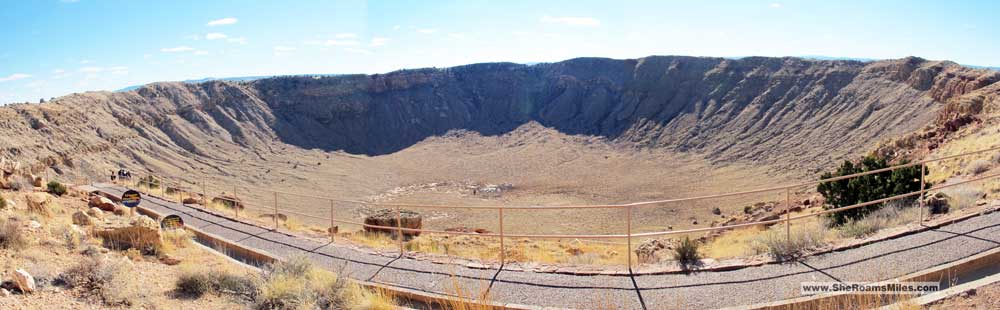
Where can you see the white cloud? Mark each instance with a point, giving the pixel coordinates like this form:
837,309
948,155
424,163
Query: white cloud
69,1
240,40
280,48
176,49
457,36
58,71
775,5
346,36
396,27
571,21
59,74
357,50
14,77
223,21
379,41
85,61
92,72
215,36
427,30
341,43
200,52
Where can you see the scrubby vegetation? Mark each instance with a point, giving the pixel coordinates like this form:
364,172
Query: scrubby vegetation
894,213
111,280
979,166
11,236
866,188
56,188
687,255
292,284
782,247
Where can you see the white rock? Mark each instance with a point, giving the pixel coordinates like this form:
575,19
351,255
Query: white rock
23,281
34,224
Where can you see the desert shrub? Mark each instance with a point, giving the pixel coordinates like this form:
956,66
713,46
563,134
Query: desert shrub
3,203
894,213
717,211
866,188
56,188
11,236
686,254
193,284
71,238
111,280
963,196
747,209
296,284
779,246
979,166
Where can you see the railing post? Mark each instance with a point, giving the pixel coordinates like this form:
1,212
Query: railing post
503,250
275,217
236,202
204,194
399,229
629,233
788,214
333,234
923,186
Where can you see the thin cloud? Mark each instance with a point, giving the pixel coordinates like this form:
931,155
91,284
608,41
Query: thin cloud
357,50
215,36
346,36
176,49
379,41
427,30
457,36
571,21
200,53
14,77
341,43
223,21
239,40
280,48
776,5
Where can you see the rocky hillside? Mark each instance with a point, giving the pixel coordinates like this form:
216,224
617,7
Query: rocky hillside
791,112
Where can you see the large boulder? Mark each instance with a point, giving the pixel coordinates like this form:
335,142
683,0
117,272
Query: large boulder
95,213
939,203
102,203
140,232
82,219
37,181
387,217
24,281
646,252
40,203
229,200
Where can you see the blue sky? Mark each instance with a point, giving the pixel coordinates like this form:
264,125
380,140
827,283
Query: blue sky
55,47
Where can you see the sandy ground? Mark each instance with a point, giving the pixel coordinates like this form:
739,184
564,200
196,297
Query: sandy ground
47,256
986,297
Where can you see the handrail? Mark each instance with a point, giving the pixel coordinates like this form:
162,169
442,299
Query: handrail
642,203
164,184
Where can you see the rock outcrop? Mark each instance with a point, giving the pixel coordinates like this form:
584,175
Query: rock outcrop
388,218
141,233
40,203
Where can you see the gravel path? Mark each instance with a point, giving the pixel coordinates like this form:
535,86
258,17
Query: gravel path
705,290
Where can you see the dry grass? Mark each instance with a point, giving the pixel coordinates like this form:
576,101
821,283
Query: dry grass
964,196
734,243
110,280
11,235
895,213
783,247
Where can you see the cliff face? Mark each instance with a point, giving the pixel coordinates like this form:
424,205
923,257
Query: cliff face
788,111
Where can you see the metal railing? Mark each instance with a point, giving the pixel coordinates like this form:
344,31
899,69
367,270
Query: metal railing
164,184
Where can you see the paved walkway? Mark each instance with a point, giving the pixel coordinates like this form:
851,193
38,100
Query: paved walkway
706,290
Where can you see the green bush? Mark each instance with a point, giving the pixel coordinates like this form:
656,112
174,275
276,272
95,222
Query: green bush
686,254
56,188
193,284
866,188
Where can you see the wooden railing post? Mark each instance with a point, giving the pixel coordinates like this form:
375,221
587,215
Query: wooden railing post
628,226
275,217
204,194
333,234
923,186
399,230
788,215
503,250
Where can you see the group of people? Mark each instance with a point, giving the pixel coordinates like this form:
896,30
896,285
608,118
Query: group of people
121,174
